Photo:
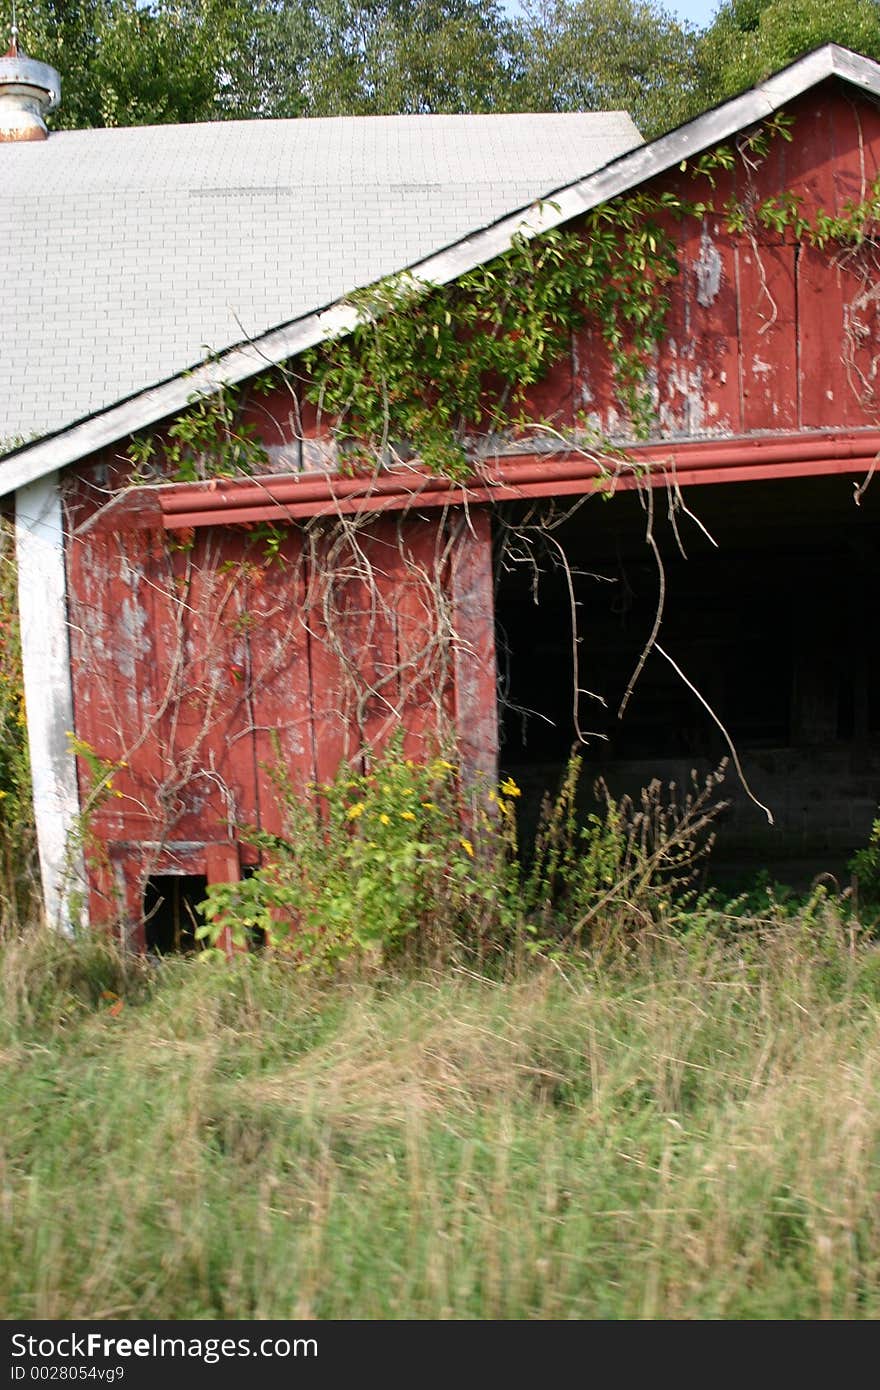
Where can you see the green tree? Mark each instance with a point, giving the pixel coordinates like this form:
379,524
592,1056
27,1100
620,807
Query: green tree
594,55
375,57
127,63
124,62
750,39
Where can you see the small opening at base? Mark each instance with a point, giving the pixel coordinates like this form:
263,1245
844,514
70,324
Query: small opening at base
170,912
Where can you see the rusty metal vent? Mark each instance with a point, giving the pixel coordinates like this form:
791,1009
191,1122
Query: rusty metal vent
28,92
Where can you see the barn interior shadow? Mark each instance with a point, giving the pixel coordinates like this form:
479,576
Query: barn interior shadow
773,626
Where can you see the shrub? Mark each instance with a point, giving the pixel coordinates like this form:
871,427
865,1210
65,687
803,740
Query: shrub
371,861
631,864
865,865
401,858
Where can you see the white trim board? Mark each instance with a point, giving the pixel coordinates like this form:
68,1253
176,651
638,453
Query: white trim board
42,607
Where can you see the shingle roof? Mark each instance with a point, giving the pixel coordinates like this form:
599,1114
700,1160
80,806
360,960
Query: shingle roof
125,254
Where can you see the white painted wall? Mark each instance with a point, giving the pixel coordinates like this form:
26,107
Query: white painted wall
42,606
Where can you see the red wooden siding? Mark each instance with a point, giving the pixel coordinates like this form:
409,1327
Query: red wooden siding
206,670
759,332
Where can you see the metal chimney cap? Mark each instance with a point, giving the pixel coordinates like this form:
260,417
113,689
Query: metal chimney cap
16,70
28,92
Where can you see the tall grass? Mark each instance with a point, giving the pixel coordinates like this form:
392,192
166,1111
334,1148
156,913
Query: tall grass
687,1127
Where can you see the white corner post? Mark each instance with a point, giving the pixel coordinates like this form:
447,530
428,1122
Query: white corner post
45,650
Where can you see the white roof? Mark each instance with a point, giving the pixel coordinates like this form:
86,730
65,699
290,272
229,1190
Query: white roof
126,254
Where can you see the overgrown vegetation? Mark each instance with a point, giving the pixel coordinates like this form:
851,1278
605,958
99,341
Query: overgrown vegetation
685,1128
373,862
125,62
451,1084
436,376
427,369
448,1080
406,860
19,892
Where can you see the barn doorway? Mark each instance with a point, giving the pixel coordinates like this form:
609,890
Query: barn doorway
773,625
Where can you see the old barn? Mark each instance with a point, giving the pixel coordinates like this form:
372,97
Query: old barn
218,580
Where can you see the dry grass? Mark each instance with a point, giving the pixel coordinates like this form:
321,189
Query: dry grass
691,1130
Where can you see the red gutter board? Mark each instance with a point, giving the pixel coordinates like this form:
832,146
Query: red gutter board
512,476
586,479
816,468
301,487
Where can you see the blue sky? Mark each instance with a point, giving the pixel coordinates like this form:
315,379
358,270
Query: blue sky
699,12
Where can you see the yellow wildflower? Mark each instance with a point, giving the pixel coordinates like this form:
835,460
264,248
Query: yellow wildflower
407,815
509,787
356,810
467,847
385,819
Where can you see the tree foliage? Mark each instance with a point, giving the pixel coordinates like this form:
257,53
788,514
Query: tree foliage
124,65
595,55
750,39
124,62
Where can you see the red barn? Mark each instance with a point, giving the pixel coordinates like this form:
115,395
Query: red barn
198,635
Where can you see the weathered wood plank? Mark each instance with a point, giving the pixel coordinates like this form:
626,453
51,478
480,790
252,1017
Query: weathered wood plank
473,616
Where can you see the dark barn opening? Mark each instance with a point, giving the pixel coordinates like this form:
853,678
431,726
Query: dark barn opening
171,913
774,628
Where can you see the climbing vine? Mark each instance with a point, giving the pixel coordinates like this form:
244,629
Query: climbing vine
439,372
428,368
208,440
